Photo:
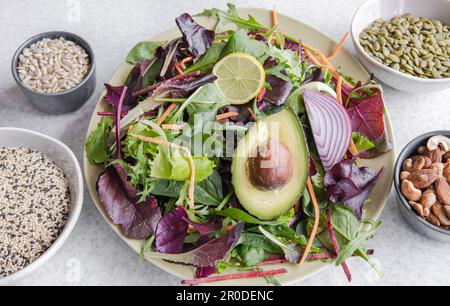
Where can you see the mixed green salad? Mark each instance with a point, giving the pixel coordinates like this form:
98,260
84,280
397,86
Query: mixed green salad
235,149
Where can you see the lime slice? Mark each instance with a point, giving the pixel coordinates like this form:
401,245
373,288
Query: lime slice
240,77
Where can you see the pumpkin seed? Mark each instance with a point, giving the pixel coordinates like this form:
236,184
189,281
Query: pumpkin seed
415,45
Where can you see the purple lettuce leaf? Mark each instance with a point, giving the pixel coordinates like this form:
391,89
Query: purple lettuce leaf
280,90
365,107
136,220
197,38
172,229
182,88
293,45
382,145
209,253
163,52
134,83
346,183
171,232
202,272
212,226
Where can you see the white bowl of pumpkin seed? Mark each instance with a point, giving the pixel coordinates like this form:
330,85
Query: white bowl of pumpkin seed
405,44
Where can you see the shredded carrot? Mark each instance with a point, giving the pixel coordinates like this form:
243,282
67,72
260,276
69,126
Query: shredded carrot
226,116
185,61
252,114
312,194
173,127
178,68
261,95
252,274
166,113
313,59
274,16
189,156
339,46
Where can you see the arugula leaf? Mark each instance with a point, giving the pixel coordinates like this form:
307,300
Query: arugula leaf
240,42
97,150
290,61
232,16
358,242
287,233
362,143
143,51
240,215
206,62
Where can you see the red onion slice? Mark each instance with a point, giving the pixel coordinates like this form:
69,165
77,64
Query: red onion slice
330,125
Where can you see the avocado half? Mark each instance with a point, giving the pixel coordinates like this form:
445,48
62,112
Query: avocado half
270,193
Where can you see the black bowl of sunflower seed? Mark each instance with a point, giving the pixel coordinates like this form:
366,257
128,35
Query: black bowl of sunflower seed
405,44
56,71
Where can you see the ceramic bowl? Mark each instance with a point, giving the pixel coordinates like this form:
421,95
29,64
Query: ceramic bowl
61,102
417,223
387,9
67,162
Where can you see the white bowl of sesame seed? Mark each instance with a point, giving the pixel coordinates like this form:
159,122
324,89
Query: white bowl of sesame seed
41,195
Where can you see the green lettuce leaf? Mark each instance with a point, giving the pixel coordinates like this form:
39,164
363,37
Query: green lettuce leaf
362,143
97,150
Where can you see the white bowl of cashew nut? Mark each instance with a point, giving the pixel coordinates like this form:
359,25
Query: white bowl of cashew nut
422,183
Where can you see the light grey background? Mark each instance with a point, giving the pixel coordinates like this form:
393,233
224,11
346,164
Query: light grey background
112,27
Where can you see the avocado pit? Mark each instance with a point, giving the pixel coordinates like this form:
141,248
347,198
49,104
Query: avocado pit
271,168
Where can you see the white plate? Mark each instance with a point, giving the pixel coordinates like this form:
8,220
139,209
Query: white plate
344,60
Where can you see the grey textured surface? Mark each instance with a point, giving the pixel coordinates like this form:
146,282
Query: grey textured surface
94,255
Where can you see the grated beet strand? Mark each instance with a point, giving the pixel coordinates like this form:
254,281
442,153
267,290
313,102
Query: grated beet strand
253,274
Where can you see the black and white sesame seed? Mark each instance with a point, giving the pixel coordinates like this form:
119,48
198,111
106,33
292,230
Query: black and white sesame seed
34,207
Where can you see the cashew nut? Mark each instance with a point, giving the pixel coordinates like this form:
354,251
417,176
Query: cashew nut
421,150
446,172
433,220
447,210
439,212
439,141
411,192
428,199
438,168
404,175
443,191
422,211
416,163
446,157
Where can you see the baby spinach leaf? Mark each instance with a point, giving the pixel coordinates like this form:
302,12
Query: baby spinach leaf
143,51
240,42
205,63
